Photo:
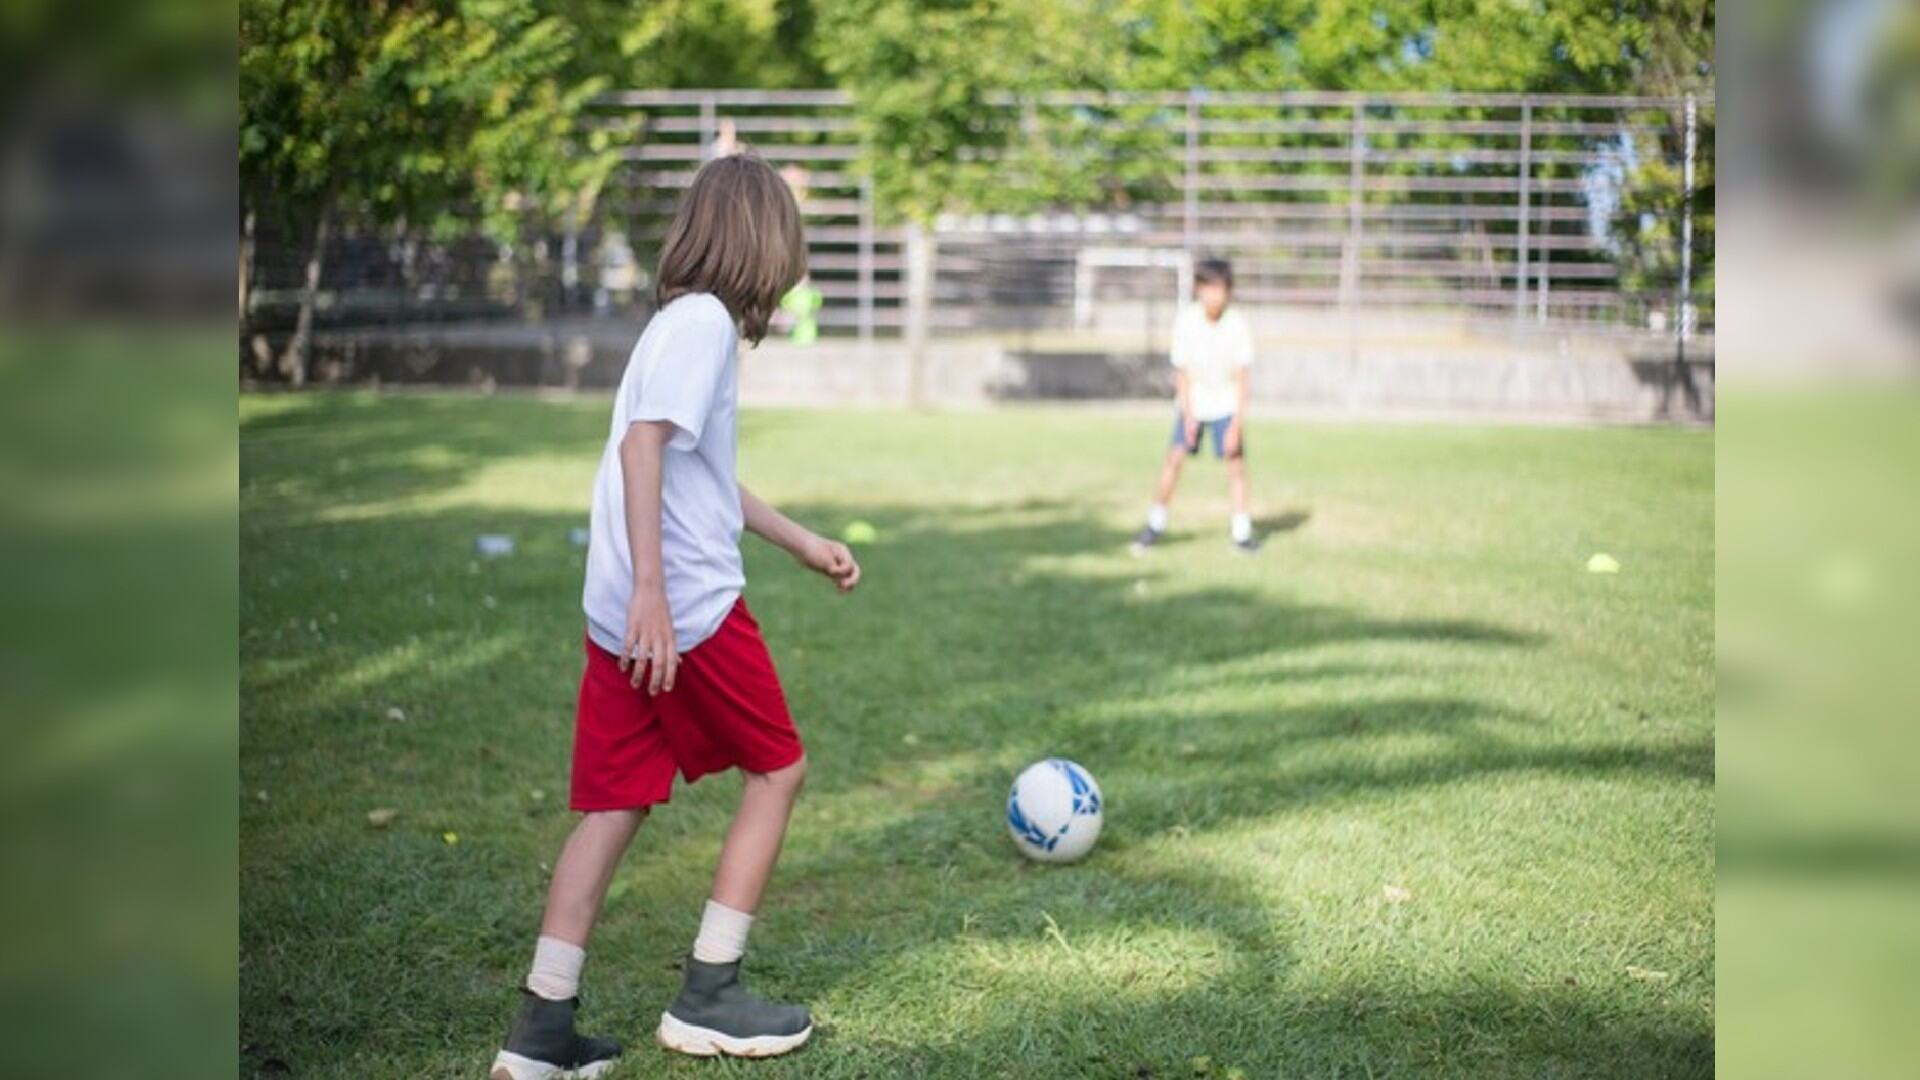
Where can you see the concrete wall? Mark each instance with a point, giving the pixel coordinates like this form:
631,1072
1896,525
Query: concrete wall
1393,370
1521,384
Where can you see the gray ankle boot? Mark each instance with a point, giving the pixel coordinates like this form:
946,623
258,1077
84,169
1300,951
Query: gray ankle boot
714,1014
542,1045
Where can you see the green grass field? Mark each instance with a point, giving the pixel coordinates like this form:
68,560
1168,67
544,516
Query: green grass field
1410,793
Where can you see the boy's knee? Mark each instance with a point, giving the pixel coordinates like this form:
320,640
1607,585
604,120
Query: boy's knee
789,778
627,820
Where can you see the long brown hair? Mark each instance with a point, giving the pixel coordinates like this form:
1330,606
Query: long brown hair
736,235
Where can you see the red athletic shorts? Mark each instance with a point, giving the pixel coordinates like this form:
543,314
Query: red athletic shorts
725,710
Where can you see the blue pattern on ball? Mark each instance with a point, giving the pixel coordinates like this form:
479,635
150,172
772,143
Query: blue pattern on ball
1085,799
1086,803
1027,830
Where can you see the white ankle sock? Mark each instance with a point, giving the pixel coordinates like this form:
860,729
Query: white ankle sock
1157,517
1242,527
556,969
723,934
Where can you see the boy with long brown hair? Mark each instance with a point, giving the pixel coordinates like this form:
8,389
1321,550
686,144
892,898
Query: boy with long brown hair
677,676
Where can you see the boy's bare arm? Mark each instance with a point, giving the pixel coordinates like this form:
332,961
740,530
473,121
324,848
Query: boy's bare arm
649,648
815,552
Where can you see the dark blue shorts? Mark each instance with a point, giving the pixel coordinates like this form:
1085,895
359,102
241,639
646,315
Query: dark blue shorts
1218,429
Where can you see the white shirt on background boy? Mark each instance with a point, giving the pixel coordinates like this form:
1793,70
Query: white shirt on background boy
1211,352
682,370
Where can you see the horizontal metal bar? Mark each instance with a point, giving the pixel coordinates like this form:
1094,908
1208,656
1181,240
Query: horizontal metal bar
1164,98
1337,238
850,290
850,262
1254,293
751,124
849,315
774,152
1397,155
850,234
684,178
655,230
1344,127
1320,211
1377,182
1331,99
694,98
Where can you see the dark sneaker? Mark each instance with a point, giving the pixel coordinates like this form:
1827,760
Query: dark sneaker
1146,538
714,1014
542,1045
1247,546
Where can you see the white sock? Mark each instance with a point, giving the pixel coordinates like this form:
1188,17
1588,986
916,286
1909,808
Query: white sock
723,934
1242,527
1157,517
556,969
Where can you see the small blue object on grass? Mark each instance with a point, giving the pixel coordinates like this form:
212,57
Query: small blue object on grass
493,545
578,536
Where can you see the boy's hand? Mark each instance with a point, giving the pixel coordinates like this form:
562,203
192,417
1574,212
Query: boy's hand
833,559
1192,432
650,651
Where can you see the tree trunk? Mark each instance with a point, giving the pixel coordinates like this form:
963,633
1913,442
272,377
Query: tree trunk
246,266
293,362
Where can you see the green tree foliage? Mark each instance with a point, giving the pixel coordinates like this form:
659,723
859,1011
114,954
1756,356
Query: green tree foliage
928,76
1893,103
761,44
1607,46
392,110
924,71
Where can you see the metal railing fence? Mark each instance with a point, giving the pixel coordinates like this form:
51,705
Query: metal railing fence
1543,208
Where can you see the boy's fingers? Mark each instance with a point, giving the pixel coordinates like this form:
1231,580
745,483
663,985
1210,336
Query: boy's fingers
663,663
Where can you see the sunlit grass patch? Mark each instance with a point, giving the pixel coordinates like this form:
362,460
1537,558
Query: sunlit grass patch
1410,793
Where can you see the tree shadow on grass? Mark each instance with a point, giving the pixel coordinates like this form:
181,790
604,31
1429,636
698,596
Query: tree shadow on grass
326,449
1283,522
979,640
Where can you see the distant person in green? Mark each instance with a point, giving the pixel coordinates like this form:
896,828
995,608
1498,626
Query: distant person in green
1212,358
802,304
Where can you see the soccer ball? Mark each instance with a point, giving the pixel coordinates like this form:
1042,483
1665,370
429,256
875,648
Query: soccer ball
1053,811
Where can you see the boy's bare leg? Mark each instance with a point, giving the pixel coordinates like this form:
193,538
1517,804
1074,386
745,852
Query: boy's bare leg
1237,488
714,1013
584,870
753,841
1162,494
1237,484
542,1043
1169,475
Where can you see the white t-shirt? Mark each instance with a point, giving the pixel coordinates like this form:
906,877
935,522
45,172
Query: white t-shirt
1211,352
683,370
